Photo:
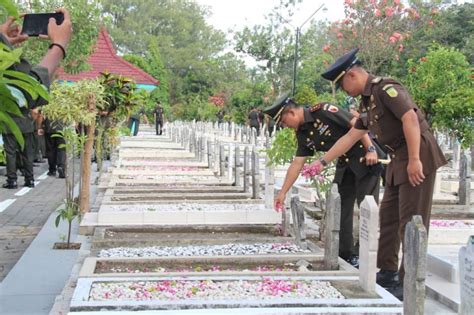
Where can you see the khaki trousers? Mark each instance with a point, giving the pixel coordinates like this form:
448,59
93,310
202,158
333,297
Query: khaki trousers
400,203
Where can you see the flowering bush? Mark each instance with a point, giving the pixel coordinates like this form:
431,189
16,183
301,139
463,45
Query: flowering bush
379,27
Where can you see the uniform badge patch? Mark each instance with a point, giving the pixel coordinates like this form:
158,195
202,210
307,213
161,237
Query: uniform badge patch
323,129
333,109
315,107
392,92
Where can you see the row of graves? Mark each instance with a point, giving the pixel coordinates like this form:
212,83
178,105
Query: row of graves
184,223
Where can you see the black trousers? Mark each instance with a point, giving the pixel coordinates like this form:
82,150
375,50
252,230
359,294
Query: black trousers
159,127
56,155
13,150
351,190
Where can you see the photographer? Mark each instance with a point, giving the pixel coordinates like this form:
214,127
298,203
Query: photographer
10,35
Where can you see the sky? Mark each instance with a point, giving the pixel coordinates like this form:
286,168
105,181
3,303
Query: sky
236,14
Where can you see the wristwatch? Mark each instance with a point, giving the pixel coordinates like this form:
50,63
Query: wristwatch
371,148
323,162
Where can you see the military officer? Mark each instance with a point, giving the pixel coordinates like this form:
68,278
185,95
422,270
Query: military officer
59,36
389,113
158,115
26,155
317,129
56,152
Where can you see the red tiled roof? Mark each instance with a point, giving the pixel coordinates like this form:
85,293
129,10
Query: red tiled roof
105,59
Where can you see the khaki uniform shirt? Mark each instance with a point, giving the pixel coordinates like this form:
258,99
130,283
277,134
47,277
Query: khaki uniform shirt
384,102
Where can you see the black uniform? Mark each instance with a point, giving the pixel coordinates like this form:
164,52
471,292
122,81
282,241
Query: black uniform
13,150
254,120
54,148
25,124
323,125
158,112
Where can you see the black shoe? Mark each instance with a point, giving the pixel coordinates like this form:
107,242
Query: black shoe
396,291
29,183
52,173
387,278
61,173
353,260
10,185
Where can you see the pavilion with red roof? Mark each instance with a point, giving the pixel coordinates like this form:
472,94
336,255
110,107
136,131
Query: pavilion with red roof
104,59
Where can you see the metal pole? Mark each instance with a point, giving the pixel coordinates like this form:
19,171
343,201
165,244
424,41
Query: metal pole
297,39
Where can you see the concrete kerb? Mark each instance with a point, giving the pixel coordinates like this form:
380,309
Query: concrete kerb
81,302
40,289
89,267
259,311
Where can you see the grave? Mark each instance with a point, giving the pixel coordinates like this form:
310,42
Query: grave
182,231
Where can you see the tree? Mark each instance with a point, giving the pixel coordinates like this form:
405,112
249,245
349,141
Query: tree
152,63
442,71
455,112
271,46
305,96
380,28
187,44
85,16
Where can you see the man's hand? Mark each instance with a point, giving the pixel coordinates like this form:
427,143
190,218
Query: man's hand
279,202
59,34
371,158
12,31
318,166
415,172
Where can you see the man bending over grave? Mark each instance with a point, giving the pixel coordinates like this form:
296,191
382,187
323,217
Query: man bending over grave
357,172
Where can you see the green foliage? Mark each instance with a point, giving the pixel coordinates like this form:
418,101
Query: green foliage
254,93
455,112
283,147
3,158
8,8
441,72
305,96
69,103
121,96
85,17
73,142
380,28
68,213
152,63
187,44
452,27
271,44
10,79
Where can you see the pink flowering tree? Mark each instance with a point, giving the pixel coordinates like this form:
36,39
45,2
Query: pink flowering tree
379,27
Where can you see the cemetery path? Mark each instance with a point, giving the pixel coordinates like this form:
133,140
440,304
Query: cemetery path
23,212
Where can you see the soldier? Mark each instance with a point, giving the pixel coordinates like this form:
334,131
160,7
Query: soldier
55,148
389,113
59,35
158,115
25,155
253,120
317,129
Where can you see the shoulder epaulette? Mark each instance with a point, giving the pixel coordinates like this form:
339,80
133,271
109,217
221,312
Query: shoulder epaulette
376,80
315,107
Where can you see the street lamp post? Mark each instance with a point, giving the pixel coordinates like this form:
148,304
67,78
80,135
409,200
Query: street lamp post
297,40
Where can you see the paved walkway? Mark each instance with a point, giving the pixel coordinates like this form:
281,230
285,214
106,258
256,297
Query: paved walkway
23,212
